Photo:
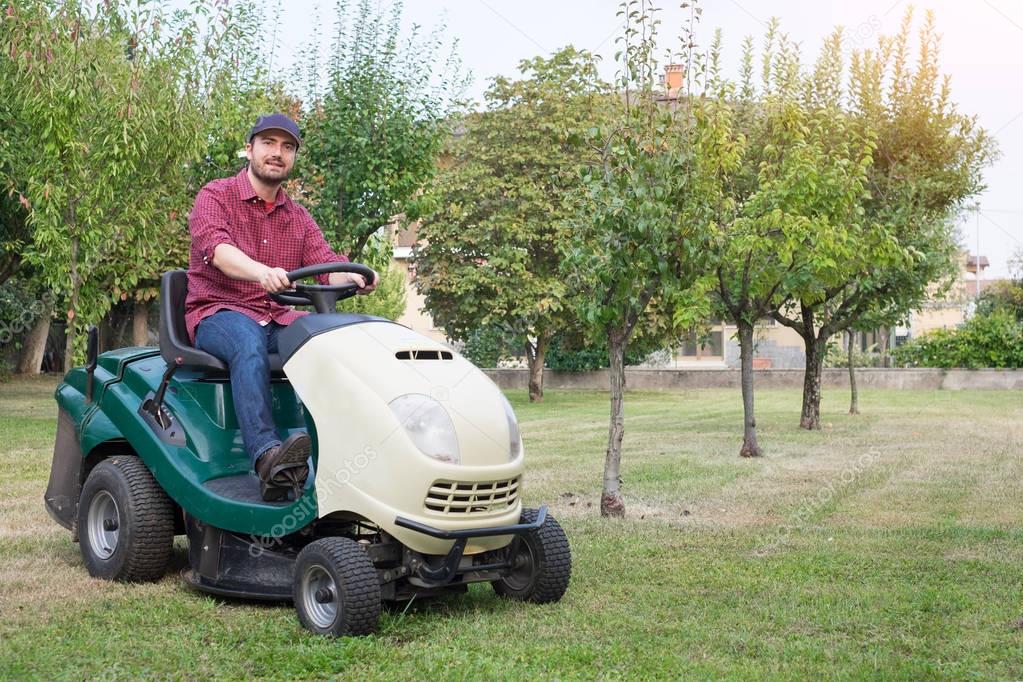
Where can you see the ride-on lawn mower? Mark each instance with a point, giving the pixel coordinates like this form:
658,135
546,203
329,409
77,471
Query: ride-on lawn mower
415,475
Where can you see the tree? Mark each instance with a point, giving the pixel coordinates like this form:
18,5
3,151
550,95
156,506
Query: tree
1016,264
927,163
787,178
100,99
374,124
639,231
490,256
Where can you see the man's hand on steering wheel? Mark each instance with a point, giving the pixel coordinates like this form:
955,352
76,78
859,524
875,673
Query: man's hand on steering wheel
342,278
274,280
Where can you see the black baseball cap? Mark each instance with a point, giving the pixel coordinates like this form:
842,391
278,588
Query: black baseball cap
276,122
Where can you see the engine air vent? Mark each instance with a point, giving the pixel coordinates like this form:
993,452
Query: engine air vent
461,498
424,355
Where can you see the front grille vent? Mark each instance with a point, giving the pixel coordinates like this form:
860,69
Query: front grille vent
424,355
464,498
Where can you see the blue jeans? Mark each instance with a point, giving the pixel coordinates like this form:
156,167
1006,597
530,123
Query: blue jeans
243,345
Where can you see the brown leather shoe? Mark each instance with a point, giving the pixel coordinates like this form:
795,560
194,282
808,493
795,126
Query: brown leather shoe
284,468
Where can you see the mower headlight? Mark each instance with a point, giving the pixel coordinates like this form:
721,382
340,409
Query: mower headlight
429,426
514,437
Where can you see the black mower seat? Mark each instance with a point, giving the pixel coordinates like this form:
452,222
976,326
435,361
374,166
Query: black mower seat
174,344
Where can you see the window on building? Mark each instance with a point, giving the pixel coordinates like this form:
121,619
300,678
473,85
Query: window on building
703,345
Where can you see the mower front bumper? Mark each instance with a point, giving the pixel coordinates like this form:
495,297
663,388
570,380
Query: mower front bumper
448,568
464,534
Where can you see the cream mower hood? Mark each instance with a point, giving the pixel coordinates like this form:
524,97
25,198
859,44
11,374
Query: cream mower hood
368,466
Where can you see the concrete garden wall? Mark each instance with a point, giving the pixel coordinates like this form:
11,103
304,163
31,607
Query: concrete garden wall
683,379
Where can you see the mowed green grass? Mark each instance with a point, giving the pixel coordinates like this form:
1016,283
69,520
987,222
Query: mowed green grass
887,545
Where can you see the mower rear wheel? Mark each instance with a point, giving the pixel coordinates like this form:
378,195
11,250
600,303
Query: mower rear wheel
541,563
125,522
336,588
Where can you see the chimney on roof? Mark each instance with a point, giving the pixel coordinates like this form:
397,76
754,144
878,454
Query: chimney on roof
971,263
673,78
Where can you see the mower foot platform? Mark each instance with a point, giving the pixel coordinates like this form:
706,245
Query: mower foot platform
243,488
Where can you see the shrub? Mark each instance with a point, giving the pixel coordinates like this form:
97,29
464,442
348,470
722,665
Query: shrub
569,357
839,357
1002,295
994,340
485,347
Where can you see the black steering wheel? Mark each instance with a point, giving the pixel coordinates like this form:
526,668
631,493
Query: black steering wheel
322,297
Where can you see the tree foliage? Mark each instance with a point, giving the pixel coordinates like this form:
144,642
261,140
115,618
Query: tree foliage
128,108
99,122
490,253
375,115
232,85
375,123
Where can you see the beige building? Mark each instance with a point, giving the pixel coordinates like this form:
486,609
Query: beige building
415,316
952,309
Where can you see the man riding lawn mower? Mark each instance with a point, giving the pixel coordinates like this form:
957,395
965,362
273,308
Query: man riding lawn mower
334,459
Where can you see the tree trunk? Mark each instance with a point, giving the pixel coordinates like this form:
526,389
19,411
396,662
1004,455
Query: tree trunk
750,447
356,252
854,401
536,360
811,416
140,323
69,346
611,502
31,360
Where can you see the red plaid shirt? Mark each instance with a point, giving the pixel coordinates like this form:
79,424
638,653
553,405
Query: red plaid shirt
228,211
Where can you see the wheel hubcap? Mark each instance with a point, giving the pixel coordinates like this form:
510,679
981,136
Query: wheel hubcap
103,525
523,567
319,596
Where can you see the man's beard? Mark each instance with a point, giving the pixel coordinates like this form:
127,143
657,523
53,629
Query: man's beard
277,175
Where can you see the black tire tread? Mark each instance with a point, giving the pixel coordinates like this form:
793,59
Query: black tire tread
152,520
357,580
555,560
154,515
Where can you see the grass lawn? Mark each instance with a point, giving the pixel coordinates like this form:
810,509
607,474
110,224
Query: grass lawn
888,545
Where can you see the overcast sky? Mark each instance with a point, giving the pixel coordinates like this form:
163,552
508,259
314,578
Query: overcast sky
981,50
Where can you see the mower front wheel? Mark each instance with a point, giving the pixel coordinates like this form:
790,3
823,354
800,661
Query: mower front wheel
125,522
336,588
541,563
